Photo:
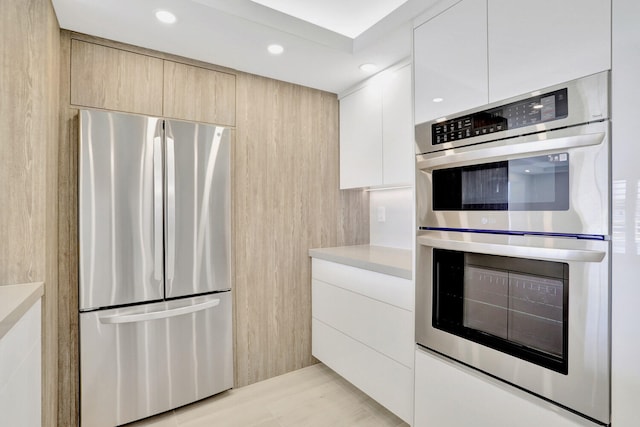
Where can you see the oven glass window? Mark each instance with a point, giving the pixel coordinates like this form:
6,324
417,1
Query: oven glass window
538,183
514,305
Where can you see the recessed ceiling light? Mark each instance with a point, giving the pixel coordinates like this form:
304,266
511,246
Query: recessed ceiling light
438,99
165,16
275,49
368,68
538,106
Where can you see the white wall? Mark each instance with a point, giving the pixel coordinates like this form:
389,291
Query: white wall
625,377
397,230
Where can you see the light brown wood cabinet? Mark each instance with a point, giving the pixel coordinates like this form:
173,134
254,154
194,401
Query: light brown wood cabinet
114,79
198,94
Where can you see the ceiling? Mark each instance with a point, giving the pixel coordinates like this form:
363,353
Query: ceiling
321,51
349,18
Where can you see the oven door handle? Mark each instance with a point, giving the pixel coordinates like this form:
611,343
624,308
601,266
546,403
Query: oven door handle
518,251
460,157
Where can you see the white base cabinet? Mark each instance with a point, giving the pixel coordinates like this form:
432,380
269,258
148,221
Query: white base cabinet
451,395
362,328
20,371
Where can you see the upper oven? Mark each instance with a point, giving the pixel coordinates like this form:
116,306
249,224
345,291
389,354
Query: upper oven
537,163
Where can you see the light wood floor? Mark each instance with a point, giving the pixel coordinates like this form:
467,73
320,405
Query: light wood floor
310,397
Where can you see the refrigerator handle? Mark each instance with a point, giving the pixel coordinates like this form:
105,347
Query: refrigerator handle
157,208
162,314
171,209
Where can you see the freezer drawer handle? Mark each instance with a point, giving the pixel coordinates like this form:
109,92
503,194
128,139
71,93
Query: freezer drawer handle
142,317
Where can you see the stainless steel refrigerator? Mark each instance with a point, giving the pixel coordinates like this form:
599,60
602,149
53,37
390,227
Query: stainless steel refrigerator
154,297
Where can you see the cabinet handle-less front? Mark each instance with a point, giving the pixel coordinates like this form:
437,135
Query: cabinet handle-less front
533,252
163,314
171,208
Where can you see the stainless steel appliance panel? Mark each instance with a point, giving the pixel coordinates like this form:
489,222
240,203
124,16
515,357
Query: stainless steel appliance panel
585,388
588,101
143,360
120,202
588,213
197,238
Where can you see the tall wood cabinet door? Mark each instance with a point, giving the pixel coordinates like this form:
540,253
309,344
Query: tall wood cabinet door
198,94
361,138
450,61
397,129
114,79
535,44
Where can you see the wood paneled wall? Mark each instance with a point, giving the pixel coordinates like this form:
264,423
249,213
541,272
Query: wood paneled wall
68,386
286,199
29,73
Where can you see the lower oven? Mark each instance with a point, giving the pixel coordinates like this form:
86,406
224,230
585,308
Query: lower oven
530,310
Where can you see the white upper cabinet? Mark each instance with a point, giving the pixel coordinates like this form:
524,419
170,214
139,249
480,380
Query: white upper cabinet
450,61
535,44
361,138
481,51
397,128
376,132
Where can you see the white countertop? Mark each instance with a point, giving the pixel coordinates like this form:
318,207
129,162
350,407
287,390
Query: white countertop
15,300
381,259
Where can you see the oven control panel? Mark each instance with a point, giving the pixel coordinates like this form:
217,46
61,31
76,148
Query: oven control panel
531,111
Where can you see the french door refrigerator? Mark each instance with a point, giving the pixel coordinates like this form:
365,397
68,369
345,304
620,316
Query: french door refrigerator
154,295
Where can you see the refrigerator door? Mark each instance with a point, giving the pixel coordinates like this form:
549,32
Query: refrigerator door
143,360
197,209
120,216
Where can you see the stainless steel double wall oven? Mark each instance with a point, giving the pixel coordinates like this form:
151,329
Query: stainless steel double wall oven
512,268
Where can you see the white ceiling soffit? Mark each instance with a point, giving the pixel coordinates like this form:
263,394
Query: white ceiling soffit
235,33
347,17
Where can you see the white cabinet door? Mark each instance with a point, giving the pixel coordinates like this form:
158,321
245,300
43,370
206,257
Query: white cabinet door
20,371
625,259
452,395
450,61
535,44
397,129
361,138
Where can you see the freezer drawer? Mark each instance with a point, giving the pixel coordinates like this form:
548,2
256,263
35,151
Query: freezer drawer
143,360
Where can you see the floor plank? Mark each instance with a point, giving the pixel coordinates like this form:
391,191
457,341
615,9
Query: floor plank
310,397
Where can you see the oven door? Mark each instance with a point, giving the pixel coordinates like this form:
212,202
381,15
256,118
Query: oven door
552,182
530,310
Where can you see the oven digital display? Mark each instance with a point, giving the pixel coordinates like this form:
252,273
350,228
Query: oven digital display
531,111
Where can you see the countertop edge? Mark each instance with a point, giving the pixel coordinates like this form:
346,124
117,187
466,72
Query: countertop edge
327,254
16,301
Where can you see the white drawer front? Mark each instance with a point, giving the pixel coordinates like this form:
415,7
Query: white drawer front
385,380
383,327
382,287
441,386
